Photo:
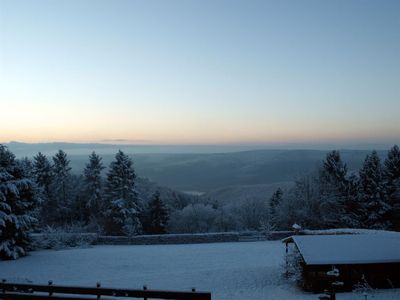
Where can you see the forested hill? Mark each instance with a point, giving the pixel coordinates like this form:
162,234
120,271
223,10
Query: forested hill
208,172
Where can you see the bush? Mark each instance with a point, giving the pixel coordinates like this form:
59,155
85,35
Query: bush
61,238
294,265
194,218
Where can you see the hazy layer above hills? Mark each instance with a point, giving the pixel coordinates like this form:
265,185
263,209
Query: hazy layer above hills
29,149
224,174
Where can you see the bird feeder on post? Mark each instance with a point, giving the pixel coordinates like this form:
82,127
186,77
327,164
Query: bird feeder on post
334,275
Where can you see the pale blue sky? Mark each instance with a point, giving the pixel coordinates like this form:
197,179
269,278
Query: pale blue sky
185,72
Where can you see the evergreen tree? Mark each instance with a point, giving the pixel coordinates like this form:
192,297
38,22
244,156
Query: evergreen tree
334,170
18,198
43,176
392,182
274,202
157,216
76,205
122,203
61,187
333,188
93,185
42,172
372,195
354,208
27,166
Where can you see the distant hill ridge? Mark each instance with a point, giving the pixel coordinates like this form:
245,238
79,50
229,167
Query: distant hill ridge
224,173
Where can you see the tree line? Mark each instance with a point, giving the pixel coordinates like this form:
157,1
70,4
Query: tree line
333,197
112,204
39,192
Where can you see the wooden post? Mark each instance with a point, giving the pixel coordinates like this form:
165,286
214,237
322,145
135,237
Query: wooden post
286,260
50,292
98,285
4,288
145,289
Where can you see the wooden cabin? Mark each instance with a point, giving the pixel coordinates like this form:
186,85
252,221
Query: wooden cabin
369,259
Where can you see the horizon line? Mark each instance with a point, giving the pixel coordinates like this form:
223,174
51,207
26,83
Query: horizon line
247,146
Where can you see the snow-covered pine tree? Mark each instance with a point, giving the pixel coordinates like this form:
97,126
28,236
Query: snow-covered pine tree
334,170
333,188
42,171
93,186
391,174
274,203
18,198
372,191
43,175
157,216
122,211
77,200
354,208
61,187
27,166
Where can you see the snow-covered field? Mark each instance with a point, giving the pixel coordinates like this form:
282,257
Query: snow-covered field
251,270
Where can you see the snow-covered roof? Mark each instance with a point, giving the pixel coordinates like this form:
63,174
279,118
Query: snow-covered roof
348,231
349,248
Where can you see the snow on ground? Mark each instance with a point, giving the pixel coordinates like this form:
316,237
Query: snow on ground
251,270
